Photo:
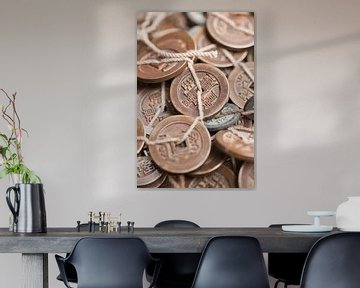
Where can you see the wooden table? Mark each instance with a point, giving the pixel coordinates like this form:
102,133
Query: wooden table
35,247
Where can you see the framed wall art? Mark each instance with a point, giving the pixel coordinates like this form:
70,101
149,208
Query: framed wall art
195,100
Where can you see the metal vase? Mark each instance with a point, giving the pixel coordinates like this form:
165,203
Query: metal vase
27,204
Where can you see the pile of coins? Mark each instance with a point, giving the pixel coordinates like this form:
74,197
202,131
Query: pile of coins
217,150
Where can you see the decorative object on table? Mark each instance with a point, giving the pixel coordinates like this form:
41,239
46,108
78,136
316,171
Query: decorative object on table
27,204
195,76
316,227
101,222
348,214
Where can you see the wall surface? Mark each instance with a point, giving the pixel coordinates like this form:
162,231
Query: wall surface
73,66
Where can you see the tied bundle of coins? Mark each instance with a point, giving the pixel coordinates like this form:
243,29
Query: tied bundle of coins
195,100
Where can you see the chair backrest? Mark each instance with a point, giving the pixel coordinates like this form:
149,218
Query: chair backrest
176,224
232,262
333,262
110,262
177,269
286,266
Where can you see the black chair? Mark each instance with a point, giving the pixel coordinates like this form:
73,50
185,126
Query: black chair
70,271
178,269
108,263
333,262
232,262
286,267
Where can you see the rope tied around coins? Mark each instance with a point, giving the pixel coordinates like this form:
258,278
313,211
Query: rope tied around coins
150,24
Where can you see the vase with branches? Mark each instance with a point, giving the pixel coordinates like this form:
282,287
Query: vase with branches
11,158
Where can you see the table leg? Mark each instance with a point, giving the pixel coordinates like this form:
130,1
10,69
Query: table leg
35,270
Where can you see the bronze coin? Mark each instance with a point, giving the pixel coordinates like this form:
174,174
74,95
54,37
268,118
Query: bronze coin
177,42
180,157
228,116
240,85
215,160
173,20
147,172
244,123
223,177
241,148
221,60
249,105
140,132
227,35
246,177
148,103
215,91
157,183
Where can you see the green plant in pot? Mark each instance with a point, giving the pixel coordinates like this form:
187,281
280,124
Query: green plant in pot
26,198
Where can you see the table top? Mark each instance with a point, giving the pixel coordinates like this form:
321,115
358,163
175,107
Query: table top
158,240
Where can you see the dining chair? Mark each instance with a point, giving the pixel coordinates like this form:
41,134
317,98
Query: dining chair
108,263
333,262
70,271
285,267
231,262
178,269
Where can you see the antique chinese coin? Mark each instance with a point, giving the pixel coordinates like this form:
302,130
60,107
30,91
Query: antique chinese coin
214,86
241,85
246,176
231,36
221,60
147,172
157,183
238,146
176,42
223,177
141,133
184,157
149,102
227,117
215,160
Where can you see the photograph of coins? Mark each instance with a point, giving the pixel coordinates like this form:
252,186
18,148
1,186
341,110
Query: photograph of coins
195,100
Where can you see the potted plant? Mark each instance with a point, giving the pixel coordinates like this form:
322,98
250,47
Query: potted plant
26,198
11,158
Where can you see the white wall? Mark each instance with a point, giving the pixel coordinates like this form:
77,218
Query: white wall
73,66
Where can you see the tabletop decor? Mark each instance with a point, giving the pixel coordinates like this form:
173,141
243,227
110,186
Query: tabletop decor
195,100
348,214
26,197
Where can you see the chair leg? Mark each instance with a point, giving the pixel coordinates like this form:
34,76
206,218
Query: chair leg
278,282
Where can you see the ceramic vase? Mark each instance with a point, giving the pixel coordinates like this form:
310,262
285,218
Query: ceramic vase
348,214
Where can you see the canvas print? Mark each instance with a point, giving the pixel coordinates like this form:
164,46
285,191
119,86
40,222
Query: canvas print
195,100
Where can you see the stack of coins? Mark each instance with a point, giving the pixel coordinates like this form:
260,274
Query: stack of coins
218,150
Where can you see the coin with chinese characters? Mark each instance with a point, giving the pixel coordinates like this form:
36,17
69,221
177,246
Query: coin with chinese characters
241,85
239,146
176,42
140,133
149,102
223,177
214,95
231,36
221,60
147,172
215,160
246,177
228,116
175,157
